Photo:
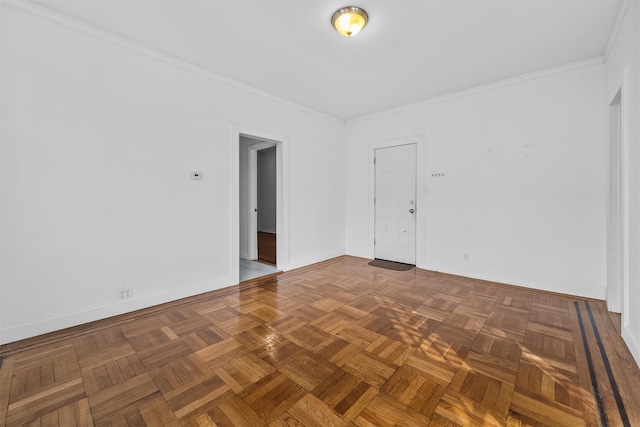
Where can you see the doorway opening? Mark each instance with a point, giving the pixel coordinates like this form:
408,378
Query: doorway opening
260,224
266,206
616,248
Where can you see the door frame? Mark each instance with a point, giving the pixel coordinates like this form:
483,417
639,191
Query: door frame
421,177
617,294
281,142
615,269
252,226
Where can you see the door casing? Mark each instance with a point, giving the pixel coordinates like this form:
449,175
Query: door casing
282,191
617,293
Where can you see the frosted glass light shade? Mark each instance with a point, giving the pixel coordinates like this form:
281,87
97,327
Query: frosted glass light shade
348,21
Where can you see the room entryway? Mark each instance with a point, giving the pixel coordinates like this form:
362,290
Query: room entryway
266,205
395,203
258,170
616,222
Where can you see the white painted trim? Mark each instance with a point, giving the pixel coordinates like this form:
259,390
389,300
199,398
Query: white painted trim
421,175
632,343
312,260
614,295
282,201
622,12
77,25
482,88
282,197
536,283
625,127
80,26
100,312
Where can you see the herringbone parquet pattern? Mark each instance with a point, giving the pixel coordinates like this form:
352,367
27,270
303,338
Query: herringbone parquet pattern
339,344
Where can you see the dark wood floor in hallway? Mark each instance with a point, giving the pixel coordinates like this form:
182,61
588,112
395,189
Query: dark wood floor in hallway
267,247
339,343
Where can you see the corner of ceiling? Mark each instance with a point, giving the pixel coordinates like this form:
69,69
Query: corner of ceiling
616,28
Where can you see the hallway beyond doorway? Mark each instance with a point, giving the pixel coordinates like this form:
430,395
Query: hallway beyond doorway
267,247
253,269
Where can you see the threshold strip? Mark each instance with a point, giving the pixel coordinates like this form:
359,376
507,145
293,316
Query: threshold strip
592,373
607,366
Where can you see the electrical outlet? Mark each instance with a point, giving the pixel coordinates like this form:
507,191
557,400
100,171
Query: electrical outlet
124,293
466,256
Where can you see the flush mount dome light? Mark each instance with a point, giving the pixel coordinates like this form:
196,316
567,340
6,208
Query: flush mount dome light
348,21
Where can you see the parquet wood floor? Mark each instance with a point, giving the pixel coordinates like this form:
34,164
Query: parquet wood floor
339,343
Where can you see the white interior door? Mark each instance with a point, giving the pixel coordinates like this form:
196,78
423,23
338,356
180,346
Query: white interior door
395,206
253,196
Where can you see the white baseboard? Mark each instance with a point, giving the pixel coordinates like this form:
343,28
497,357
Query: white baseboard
632,343
312,260
266,230
550,285
92,314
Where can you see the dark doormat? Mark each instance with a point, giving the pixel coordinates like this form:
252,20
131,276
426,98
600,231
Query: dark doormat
391,265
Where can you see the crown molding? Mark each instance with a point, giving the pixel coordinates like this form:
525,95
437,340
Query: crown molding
622,12
482,88
77,25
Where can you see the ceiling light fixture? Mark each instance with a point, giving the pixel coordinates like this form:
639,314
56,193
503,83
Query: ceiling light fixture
349,20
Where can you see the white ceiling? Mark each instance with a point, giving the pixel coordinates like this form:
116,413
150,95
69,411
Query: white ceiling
410,50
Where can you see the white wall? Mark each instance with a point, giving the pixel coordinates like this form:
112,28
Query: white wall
523,190
244,191
267,190
98,138
623,70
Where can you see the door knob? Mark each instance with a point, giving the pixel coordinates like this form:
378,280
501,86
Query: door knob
411,211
